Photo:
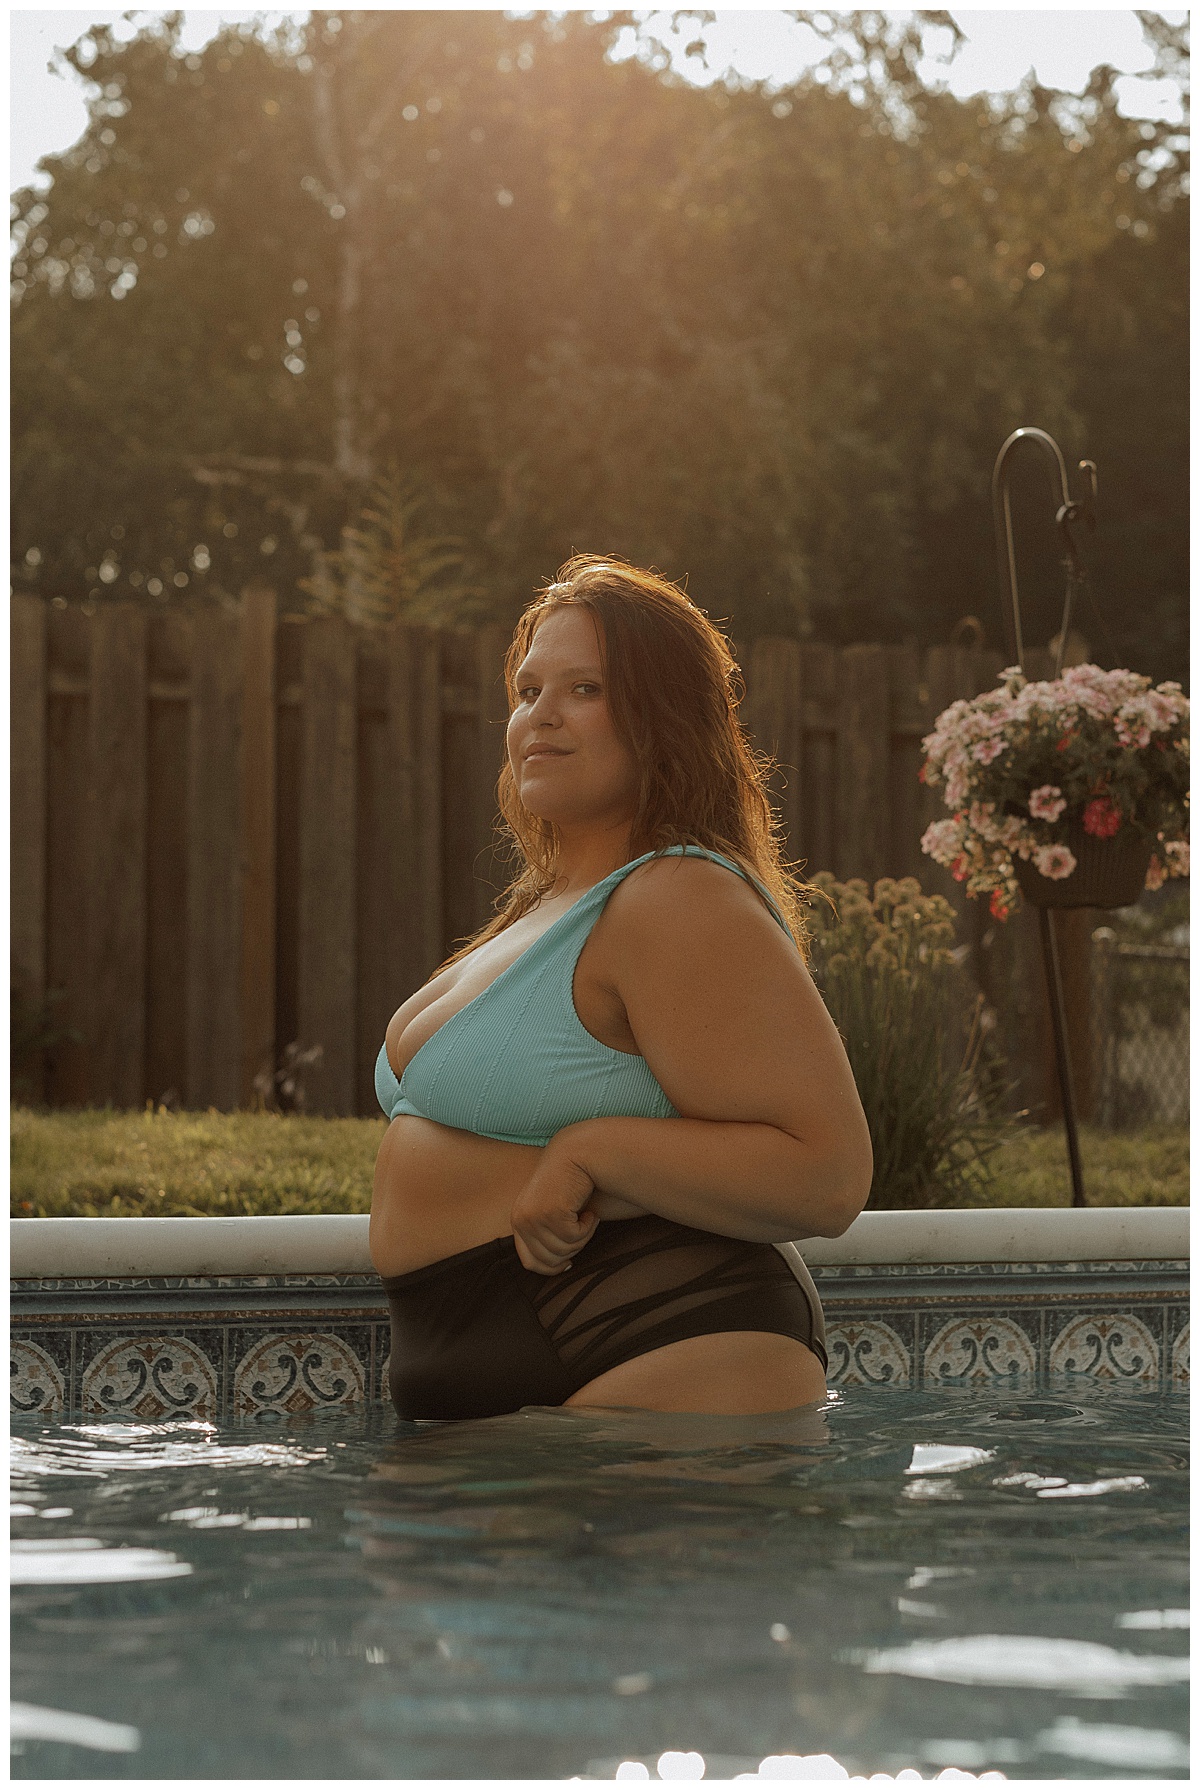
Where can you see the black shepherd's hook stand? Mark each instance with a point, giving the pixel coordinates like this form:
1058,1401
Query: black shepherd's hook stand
1069,511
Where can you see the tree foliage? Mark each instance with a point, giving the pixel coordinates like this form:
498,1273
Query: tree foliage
770,341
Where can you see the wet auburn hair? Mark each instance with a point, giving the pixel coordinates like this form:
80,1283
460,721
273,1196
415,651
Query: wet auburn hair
673,690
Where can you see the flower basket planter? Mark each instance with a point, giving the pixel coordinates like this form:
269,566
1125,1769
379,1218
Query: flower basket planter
1107,873
1024,766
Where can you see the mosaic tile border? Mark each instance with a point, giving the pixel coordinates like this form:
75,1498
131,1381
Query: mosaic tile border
279,1345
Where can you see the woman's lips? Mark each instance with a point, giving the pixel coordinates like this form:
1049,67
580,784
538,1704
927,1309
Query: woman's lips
545,752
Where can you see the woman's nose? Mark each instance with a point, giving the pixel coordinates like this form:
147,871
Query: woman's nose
544,710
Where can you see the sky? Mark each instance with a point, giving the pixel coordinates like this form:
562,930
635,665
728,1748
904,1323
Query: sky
1062,46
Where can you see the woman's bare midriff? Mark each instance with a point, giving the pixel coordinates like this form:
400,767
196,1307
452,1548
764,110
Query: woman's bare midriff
438,1192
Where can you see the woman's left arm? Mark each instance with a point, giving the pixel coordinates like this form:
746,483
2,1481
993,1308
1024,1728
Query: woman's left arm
772,1142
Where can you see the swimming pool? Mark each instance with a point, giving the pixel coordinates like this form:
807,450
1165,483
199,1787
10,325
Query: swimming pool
990,1576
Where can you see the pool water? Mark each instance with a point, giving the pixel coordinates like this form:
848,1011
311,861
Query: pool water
992,1578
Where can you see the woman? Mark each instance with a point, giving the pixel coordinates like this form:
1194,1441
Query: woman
613,1106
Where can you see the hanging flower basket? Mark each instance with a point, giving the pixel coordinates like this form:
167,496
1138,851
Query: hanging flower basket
1107,873
1072,792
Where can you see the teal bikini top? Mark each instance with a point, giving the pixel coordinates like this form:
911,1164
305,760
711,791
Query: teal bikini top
517,1063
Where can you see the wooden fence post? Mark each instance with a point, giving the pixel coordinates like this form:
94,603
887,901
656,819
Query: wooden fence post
27,818
257,783
325,978
214,939
863,753
116,933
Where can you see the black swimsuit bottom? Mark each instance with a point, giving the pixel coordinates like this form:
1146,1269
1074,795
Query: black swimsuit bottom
478,1334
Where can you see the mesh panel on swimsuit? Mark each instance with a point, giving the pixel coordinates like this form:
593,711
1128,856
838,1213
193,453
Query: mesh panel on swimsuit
644,1282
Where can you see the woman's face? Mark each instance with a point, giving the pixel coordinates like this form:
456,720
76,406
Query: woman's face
570,766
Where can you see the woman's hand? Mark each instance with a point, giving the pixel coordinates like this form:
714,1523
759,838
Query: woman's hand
559,1207
551,1219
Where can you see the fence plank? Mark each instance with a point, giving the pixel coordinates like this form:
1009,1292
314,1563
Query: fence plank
27,821
820,684
863,751
904,855
288,637
491,868
257,782
325,967
775,722
116,934
384,798
460,837
68,650
214,946
169,650
427,841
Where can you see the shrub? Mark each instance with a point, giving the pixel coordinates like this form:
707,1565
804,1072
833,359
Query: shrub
888,970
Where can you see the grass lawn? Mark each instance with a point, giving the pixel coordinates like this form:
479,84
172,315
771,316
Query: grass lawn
105,1164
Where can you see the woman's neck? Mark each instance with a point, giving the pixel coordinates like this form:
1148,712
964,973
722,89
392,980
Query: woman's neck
587,857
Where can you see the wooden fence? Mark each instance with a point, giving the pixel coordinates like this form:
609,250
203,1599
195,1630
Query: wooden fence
234,831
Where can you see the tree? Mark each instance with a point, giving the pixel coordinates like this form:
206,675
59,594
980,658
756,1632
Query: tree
769,341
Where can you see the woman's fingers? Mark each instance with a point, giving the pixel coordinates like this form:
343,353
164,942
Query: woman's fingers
547,1249
541,1261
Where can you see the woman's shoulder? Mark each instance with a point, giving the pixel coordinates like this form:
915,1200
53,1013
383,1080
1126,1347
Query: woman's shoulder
687,891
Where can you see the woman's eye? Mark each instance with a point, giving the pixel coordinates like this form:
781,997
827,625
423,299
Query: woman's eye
530,692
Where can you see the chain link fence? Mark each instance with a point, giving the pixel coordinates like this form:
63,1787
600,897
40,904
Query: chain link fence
1139,1010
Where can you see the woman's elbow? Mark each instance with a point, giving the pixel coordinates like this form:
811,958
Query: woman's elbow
847,1187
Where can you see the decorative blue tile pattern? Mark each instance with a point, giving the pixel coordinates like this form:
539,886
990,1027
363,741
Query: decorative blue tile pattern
871,1352
38,1383
980,1348
278,1345
1119,1345
152,1377
296,1371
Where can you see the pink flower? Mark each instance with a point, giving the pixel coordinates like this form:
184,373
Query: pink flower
987,750
1131,725
941,839
1179,856
1046,803
998,907
1055,861
1102,818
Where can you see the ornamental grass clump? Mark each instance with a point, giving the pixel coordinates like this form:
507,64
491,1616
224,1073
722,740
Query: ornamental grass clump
1025,768
887,967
